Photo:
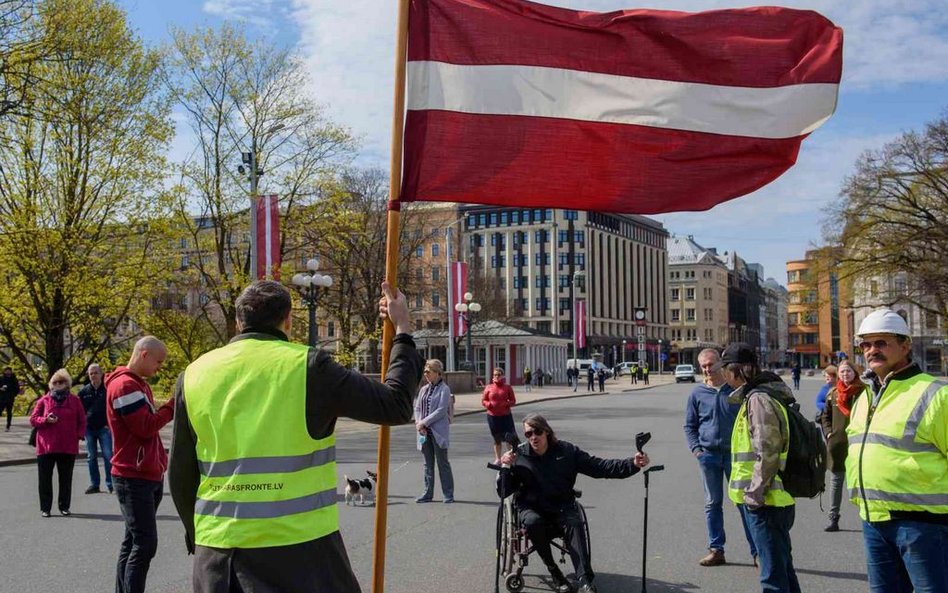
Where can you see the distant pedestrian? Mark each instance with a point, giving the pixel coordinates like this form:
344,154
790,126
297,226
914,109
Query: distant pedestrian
98,437
9,389
601,375
834,420
590,379
829,381
60,423
527,378
139,460
497,399
795,373
434,430
634,374
645,373
539,377
639,372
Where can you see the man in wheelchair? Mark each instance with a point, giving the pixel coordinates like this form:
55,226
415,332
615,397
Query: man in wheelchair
542,473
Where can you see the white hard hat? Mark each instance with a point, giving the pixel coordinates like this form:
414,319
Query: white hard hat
883,321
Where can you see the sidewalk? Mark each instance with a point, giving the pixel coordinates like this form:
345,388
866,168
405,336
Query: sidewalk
14,449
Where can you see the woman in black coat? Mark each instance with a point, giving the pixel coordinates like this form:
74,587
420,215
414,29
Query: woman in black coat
834,420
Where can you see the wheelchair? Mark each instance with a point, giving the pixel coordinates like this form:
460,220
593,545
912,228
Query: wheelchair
514,548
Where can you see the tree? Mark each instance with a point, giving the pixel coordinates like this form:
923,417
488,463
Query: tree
890,220
83,231
348,232
242,97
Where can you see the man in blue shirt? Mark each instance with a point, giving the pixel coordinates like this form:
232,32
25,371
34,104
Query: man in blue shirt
709,420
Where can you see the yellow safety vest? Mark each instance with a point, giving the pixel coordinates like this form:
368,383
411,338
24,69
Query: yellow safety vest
894,463
743,458
264,481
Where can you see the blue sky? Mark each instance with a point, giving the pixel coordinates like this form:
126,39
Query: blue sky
895,79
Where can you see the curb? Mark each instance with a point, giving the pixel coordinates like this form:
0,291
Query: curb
31,460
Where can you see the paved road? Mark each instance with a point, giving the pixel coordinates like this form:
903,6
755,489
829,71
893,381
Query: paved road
440,548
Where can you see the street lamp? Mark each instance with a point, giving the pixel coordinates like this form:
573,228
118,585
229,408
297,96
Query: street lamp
308,286
254,172
661,363
467,310
573,286
623,350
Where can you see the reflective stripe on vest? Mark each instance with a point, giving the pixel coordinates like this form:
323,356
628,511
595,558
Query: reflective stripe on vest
743,459
264,481
899,471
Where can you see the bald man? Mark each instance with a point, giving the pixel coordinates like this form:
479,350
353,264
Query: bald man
139,460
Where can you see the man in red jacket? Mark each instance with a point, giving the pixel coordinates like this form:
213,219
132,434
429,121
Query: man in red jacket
139,459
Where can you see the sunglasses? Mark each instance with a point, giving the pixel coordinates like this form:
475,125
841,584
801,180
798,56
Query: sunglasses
878,344
531,433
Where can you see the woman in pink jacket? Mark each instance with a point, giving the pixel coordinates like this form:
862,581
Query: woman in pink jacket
498,398
60,423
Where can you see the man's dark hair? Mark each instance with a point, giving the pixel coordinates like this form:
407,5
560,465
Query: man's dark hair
263,305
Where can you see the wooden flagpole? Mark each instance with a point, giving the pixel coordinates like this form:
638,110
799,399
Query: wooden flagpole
391,276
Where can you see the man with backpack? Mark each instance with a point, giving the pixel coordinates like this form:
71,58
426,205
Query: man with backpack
760,443
897,468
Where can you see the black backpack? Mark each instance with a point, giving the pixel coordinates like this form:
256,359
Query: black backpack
804,476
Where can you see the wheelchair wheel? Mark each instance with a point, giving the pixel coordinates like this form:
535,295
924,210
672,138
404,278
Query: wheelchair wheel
507,548
514,583
582,512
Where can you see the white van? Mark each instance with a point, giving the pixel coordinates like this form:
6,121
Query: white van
583,365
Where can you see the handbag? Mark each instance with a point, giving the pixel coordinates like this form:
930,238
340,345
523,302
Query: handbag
32,440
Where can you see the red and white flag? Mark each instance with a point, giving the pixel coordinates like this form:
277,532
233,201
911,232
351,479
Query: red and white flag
267,224
579,323
644,111
457,286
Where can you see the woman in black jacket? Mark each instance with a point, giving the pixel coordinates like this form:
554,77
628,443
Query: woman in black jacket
834,420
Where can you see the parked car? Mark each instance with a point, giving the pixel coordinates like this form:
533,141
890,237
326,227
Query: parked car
684,372
627,367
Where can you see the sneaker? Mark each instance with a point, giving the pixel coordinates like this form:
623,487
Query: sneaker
65,512
423,498
714,558
588,588
45,513
93,490
833,525
448,500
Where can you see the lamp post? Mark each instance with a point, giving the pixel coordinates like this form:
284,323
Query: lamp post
467,310
623,350
576,280
254,172
308,286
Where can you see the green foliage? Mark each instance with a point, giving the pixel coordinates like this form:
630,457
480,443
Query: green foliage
84,233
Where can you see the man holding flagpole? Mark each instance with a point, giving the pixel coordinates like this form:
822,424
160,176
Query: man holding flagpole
253,458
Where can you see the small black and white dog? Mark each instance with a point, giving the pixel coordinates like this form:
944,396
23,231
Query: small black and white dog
360,488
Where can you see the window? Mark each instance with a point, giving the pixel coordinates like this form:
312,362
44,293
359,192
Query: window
793,319
542,281
571,214
564,305
504,218
542,259
811,318
515,217
493,219
689,294
676,314
543,303
331,329
418,274
435,299
420,251
676,294
708,293
419,302
542,236
435,250
435,273
931,320
689,314
498,261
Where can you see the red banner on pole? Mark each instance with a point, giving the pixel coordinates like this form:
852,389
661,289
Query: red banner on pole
457,286
579,323
267,214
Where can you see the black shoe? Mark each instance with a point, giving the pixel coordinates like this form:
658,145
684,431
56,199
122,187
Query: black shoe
423,498
560,584
110,490
588,588
833,525
93,490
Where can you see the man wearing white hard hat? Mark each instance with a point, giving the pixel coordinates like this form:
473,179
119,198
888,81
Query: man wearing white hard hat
897,468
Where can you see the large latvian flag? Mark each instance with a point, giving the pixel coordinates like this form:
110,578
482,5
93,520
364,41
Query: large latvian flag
644,111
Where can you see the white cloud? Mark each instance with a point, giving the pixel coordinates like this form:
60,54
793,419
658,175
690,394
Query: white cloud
255,12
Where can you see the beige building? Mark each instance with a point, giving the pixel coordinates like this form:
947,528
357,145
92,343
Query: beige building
697,300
